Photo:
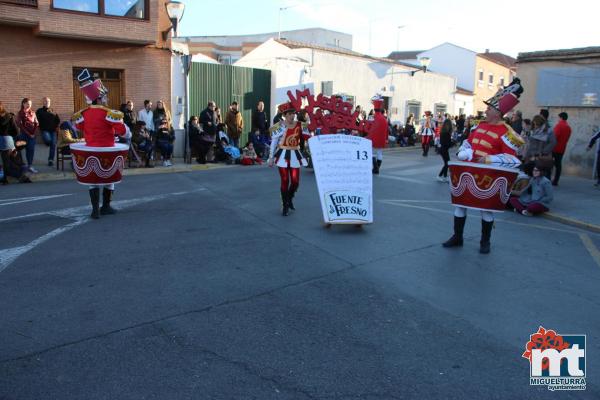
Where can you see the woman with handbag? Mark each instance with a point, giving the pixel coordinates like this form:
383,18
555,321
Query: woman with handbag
540,144
28,125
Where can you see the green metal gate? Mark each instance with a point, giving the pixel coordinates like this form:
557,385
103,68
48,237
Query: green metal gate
225,84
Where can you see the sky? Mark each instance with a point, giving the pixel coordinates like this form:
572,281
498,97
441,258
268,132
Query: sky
507,26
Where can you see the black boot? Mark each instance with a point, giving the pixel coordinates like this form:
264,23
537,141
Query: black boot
457,239
486,233
290,198
379,165
106,198
95,199
375,167
285,203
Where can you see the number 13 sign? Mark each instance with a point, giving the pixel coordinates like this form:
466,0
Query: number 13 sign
343,170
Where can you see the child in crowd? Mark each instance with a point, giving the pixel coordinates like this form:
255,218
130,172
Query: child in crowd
249,156
142,141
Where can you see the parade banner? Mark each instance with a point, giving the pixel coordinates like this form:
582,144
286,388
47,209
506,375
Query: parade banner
342,165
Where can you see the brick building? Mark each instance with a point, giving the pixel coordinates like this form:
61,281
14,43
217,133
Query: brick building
47,42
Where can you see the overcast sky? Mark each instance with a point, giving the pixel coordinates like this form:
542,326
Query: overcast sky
507,26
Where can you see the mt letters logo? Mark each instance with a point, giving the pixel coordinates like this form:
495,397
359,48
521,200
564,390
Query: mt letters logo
556,361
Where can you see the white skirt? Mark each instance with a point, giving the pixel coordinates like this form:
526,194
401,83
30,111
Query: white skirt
285,158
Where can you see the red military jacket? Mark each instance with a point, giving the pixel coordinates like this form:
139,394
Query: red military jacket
488,140
379,131
99,125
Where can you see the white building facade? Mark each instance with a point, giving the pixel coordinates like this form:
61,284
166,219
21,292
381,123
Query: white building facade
355,76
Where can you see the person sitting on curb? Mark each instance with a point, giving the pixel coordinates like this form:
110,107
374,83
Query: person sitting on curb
166,137
142,141
536,196
249,156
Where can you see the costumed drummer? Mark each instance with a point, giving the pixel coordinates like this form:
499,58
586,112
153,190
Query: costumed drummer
287,137
494,143
99,163
378,133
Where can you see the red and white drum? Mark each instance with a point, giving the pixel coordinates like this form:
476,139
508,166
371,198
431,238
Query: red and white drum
481,186
99,165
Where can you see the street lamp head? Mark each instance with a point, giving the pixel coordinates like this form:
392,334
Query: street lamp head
424,61
175,11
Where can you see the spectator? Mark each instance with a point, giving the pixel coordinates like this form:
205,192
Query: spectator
129,117
409,130
359,116
218,115
278,117
445,143
28,125
235,124
562,132
536,196
540,144
147,116
516,121
49,122
142,141
249,156
162,113
67,134
165,138
204,142
8,132
208,119
590,145
460,124
260,120
546,114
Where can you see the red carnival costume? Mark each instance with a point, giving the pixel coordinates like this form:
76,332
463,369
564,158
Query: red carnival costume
485,177
286,140
378,133
427,131
99,161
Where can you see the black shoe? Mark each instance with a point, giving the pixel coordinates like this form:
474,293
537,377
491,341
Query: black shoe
457,239
50,163
486,233
106,199
285,205
95,199
290,203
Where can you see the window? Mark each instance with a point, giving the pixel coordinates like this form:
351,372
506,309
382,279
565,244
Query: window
501,81
481,75
414,108
491,79
327,88
117,8
440,109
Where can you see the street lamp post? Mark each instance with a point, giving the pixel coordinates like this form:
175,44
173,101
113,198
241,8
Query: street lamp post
175,10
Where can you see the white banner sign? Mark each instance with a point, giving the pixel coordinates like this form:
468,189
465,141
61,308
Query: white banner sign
343,167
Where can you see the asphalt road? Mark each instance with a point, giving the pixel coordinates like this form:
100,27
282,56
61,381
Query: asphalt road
199,289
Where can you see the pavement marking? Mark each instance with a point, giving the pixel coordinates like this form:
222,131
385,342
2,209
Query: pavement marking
400,203
591,247
7,202
7,256
400,178
80,215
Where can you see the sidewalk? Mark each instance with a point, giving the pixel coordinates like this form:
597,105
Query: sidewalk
46,173
576,202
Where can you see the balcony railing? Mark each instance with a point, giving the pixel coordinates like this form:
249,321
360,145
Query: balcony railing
32,3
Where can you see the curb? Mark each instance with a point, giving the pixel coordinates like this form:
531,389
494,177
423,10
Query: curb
60,176
572,222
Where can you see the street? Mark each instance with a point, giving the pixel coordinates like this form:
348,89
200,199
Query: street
199,289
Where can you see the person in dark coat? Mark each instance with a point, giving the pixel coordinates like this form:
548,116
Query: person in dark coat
445,143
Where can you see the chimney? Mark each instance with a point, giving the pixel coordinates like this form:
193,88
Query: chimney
487,51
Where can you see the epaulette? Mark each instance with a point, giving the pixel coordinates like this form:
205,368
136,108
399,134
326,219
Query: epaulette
113,115
78,116
275,127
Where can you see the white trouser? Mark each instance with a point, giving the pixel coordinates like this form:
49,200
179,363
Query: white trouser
109,186
461,212
378,154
